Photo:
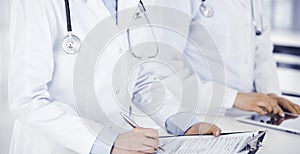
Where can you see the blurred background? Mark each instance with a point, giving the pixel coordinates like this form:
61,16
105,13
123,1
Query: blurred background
284,16
6,119
285,19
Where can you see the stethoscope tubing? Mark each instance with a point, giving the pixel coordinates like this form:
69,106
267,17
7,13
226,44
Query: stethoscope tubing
258,32
68,16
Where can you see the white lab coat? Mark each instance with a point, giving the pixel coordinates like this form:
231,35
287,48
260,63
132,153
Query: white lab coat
41,76
248,62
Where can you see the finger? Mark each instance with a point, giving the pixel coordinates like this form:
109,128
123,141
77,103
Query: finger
211,129
148,151
151,133
277,110
268,106
260,111
205,128
153,143
297,107
137,143
148,132
265,105
132,152
216,131
143,148
287,105
275,107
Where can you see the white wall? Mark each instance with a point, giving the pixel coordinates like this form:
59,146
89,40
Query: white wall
6,119
283,14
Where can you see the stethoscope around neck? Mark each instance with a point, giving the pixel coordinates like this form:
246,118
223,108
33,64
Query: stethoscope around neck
207,11
71,43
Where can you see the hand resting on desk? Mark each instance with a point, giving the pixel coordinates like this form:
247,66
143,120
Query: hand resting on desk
263,104
203,128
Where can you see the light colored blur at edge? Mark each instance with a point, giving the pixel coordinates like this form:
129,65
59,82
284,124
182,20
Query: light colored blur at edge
6,119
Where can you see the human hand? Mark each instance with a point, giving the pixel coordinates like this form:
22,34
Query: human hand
286,104
257,102
137,141
203,128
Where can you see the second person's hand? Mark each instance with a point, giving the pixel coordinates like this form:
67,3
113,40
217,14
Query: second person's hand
259,103
203,128
286,104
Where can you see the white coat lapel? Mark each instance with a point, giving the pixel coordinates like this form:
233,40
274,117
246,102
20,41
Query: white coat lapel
126,4
99,9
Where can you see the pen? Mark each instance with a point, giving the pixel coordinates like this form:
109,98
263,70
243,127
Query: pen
134,125
227,133
129,121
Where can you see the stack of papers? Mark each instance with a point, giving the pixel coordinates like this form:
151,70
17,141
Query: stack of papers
198,144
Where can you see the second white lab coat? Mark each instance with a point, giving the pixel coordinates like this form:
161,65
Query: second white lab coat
243,61
248,60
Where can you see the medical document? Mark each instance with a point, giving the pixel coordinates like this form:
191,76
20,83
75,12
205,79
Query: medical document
205,144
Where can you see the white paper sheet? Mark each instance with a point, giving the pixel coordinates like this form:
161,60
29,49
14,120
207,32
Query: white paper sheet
225,144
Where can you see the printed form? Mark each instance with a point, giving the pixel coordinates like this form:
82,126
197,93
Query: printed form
205,144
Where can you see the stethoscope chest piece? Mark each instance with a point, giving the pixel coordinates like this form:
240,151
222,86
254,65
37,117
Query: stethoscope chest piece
206,10
71,44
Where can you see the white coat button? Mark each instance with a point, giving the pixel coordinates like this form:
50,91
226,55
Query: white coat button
120,50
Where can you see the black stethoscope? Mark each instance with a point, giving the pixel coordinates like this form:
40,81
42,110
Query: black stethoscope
207,11
71,43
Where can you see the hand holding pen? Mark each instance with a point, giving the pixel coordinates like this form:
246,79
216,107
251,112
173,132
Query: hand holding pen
137,140
151,135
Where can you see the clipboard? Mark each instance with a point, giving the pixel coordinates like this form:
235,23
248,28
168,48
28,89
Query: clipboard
254,143
250,143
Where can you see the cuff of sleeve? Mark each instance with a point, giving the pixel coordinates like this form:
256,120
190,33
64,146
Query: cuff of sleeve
104,141
180,122
229,98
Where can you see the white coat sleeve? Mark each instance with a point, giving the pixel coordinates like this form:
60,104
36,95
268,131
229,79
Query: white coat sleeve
32,33
153,93
265,73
